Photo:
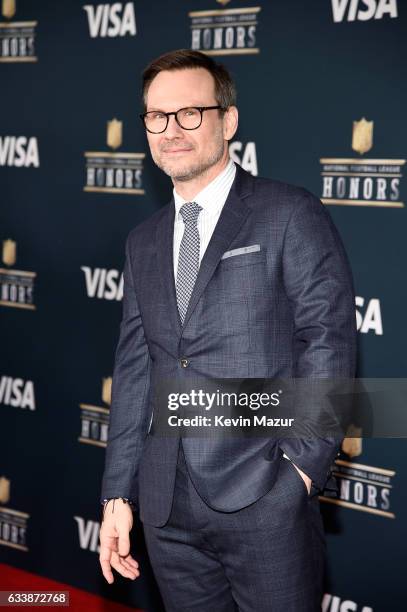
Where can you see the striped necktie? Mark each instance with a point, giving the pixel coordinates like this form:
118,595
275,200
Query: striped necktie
188,259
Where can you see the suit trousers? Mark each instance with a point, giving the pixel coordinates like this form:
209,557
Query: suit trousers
266,557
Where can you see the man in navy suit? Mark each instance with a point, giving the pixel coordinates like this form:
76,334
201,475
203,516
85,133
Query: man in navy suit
237,277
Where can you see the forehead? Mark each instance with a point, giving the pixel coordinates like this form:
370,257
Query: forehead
172,89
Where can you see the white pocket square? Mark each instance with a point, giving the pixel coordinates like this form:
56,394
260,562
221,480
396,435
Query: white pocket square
241,251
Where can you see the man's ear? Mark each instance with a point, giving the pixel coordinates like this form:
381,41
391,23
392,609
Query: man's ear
230,122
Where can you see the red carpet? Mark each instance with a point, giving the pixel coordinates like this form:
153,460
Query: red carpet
80,601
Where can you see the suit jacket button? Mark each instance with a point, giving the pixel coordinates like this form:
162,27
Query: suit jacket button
184,362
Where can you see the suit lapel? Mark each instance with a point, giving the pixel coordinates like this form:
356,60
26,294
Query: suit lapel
233,215
164,242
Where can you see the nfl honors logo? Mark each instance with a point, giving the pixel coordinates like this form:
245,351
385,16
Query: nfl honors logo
13,523
365,488
353,446
114,172
95,419
17,38
16,286
231,31
362,136
114,133
4,490
362,182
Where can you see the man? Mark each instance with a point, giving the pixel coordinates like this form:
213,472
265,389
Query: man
237,277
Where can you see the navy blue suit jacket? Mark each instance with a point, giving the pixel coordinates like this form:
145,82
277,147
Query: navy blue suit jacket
285,310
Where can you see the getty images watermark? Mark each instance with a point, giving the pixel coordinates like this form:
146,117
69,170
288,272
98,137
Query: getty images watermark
279,407
204,400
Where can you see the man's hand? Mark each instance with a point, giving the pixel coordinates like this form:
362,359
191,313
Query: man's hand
305,478
115,541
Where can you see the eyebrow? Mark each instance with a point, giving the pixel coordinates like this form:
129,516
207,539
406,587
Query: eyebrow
156,108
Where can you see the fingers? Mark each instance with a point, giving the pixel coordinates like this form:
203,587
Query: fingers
129,562
104,559
305,477
123,543
123,567
109,558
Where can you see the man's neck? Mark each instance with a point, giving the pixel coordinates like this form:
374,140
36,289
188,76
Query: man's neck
189,189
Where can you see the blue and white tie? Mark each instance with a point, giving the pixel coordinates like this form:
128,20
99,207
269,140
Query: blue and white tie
188,259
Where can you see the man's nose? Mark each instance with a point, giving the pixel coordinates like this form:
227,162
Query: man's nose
173,129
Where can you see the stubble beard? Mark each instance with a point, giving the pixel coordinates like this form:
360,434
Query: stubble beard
192,170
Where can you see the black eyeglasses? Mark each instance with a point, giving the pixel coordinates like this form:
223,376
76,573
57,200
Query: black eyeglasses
189,118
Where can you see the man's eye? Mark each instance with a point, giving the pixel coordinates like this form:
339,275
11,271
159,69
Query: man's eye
157,115
190,112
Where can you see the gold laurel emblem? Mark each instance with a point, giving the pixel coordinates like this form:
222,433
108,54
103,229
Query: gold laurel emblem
9,252
353,446
223,2
107,390
8,8
114,133
362,136
4,490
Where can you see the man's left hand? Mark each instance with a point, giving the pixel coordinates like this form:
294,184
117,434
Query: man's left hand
305,478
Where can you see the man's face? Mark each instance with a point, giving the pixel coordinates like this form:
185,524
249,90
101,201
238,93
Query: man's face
186,154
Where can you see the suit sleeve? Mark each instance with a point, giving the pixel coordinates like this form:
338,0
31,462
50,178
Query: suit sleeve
318,283
128,421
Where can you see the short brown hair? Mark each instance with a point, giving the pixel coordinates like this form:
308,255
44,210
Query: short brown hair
182,59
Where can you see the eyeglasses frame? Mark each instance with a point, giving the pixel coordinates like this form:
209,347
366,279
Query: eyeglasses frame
201,109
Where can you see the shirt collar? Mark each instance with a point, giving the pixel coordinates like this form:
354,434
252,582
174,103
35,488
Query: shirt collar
213,196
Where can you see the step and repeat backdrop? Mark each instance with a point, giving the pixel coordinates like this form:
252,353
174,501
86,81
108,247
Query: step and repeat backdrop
322,101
